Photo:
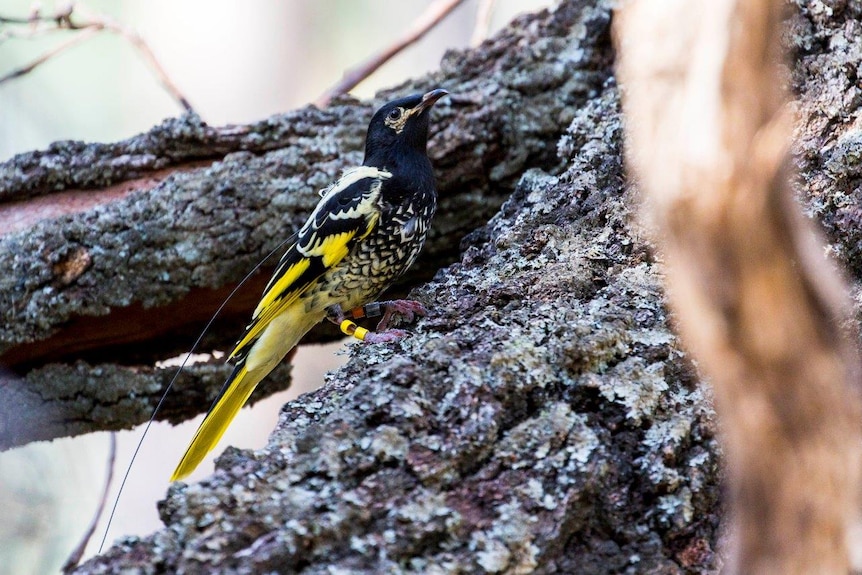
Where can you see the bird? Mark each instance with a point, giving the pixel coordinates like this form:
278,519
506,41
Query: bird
367,229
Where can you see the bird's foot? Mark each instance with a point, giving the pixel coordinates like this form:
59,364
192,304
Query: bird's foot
409,309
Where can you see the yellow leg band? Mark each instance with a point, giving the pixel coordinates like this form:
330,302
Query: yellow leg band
349,328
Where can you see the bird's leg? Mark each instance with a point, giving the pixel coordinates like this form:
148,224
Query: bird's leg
405,307
336,315
408,308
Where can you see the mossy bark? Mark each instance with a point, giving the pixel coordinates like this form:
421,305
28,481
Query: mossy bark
542,419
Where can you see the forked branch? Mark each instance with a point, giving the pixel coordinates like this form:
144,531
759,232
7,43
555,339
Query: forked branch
70,18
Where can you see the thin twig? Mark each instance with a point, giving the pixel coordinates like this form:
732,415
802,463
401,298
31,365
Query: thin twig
91,24
58,49
430,18
60,17
27,33
138,42
483,22
78,552
13,20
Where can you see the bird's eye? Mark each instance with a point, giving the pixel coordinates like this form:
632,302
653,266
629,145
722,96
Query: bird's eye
394,115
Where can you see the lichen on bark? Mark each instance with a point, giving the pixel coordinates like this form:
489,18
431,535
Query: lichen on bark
543,418
130,279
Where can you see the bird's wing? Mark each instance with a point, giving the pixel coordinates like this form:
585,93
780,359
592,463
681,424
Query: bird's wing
347,213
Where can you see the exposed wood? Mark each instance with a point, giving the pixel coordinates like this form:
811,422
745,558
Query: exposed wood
761,309
136,332
16,216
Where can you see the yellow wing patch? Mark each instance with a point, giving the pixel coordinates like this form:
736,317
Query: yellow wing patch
270,305
334,248
282,286
320,237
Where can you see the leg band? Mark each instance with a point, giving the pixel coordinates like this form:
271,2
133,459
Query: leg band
350,328
372,309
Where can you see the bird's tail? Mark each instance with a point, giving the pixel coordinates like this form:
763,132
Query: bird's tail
237,390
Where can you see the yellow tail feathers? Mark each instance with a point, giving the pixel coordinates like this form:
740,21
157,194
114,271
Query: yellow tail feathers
237,391
280,336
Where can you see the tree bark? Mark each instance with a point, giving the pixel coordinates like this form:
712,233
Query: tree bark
116,255
543,418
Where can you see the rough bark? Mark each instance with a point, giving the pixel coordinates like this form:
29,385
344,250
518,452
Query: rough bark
145,237
544,418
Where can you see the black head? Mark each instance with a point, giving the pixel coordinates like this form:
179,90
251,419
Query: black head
399,127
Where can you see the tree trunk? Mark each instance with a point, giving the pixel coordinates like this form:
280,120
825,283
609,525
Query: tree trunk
757,304
542,419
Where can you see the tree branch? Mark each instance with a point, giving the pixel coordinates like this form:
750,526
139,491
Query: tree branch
540,419
433,15
65,19
147,236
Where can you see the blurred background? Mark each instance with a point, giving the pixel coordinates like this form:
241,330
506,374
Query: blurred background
236,62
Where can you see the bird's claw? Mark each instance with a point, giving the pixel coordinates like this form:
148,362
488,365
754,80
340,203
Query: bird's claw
407,308
335,314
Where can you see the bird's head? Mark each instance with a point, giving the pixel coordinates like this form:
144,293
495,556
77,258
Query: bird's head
400,126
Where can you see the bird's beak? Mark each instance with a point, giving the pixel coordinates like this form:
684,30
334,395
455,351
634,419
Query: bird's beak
429,99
